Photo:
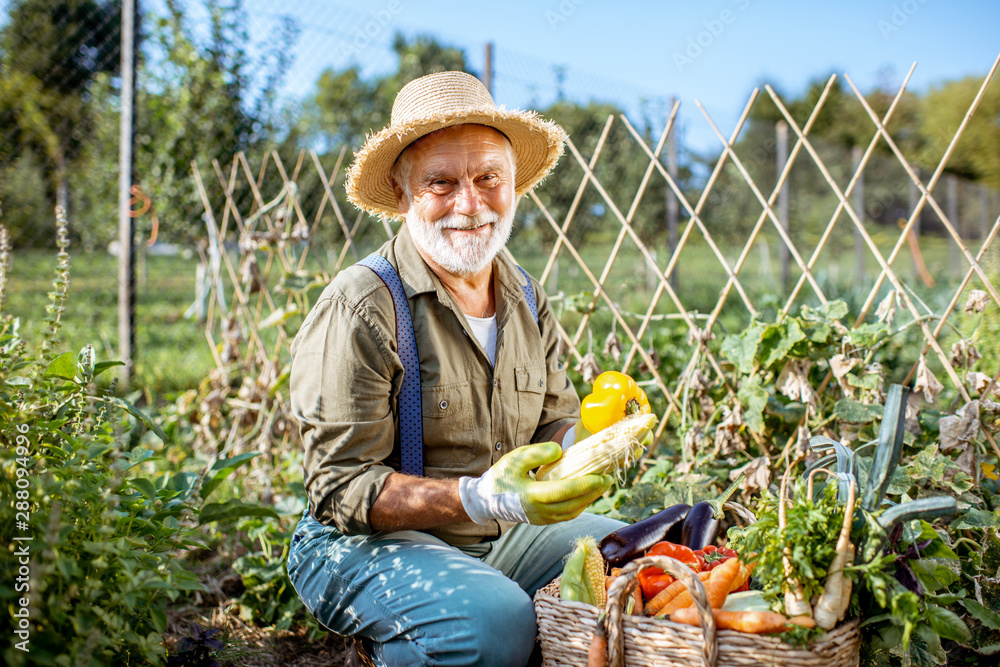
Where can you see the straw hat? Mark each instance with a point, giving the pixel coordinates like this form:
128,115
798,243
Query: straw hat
440,100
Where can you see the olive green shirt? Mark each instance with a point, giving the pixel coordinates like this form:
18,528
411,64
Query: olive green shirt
346,376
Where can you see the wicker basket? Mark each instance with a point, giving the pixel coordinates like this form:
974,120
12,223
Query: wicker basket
565,629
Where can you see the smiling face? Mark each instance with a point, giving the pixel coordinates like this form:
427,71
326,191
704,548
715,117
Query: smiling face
455,189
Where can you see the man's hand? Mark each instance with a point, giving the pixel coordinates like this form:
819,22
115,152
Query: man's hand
507,493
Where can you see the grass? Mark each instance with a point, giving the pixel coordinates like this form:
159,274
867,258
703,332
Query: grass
171,353
701,277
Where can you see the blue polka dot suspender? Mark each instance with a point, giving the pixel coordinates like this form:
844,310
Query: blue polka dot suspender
411,429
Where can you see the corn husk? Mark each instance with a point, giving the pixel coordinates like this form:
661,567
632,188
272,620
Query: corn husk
610,451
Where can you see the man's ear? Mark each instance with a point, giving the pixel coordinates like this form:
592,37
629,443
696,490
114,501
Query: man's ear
402,201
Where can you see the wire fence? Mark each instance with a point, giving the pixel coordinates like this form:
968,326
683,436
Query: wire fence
773,219
50,54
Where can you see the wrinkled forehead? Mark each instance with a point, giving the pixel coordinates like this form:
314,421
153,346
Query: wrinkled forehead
458,137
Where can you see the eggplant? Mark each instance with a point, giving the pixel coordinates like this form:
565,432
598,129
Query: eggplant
700,526
632,541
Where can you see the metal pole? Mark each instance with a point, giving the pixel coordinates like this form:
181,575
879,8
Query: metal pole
781,130
126,169
488,69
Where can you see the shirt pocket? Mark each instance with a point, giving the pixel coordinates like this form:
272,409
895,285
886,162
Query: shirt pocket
530,383
450,441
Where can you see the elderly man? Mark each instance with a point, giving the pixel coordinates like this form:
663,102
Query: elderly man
427,384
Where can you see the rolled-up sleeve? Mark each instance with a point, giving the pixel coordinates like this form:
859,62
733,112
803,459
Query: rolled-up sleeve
340,386
562,403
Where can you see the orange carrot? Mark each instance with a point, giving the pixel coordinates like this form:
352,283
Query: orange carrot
745,571
636,594
719,584
597,656
637,599
669,593
615,571
756,622
804,621
722,576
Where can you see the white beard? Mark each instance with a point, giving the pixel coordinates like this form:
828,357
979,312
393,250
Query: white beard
457,255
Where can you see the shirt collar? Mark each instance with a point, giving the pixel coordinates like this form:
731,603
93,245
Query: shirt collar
417,277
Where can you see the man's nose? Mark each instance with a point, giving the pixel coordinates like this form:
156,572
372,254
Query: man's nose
468,200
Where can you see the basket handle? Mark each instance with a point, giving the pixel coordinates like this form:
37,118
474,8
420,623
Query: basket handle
628,579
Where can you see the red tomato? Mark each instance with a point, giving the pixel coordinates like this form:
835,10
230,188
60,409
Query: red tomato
653,579
712,557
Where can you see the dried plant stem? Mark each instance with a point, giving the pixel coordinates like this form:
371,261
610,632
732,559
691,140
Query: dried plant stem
60,285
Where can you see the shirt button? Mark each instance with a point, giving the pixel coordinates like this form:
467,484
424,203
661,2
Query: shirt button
498,445
496,382
443,405
541,382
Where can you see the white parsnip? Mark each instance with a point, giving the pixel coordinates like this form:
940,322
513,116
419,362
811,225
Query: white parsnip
795,597
832,604
605,452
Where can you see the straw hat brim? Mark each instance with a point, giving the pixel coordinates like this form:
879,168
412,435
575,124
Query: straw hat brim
537,144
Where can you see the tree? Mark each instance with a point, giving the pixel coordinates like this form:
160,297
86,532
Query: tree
346,107
203,100
619,170
199,98
941,112
50,53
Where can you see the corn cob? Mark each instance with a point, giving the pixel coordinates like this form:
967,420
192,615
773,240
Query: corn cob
583,577
609,451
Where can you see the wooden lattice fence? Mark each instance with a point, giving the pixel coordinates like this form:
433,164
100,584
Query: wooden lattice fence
259,284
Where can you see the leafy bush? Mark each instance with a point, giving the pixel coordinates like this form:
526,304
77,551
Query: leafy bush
782,381
93,529
91,539
268,597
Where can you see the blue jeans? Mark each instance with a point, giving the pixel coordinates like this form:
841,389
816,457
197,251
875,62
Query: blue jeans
421,601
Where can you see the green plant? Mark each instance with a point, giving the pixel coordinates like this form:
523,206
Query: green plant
789,387
93,529
91,537
268,597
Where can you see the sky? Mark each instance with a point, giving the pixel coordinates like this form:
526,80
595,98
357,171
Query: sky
642,54
714,52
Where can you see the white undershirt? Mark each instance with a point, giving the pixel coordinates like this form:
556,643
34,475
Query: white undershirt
485,331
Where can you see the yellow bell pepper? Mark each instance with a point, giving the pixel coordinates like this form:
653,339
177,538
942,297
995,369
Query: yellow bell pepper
614,396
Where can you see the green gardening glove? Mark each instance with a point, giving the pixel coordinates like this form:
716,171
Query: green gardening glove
505,492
